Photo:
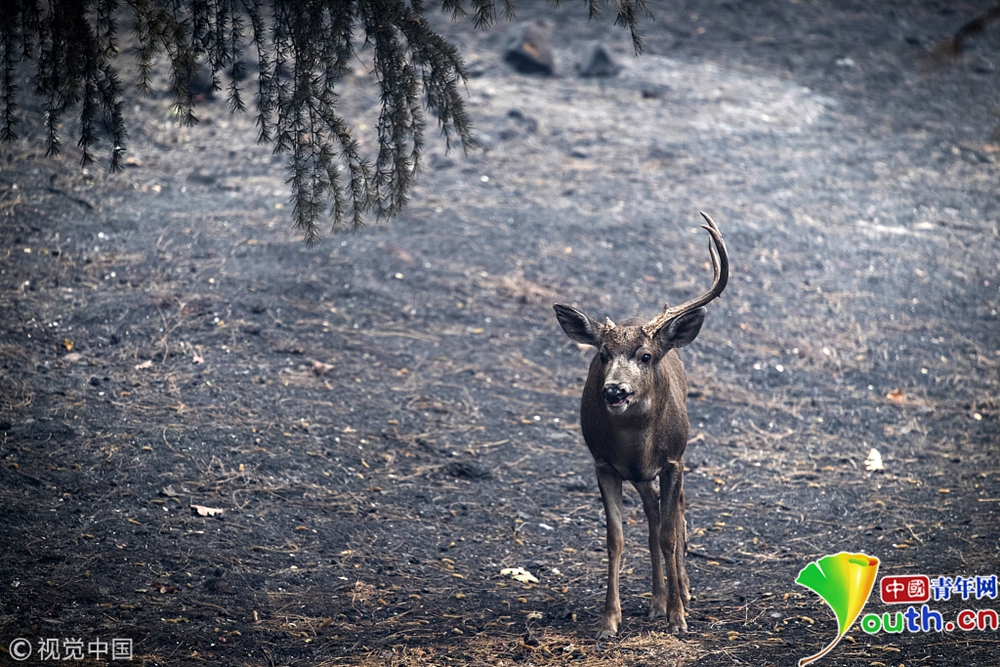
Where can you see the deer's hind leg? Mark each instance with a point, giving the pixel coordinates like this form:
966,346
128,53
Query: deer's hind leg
681,550
671,527
651,506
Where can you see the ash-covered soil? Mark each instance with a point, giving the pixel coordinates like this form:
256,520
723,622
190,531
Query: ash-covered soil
389,418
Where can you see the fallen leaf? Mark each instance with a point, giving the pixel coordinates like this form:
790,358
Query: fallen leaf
520,574
320,368
874,461
201,510
164,588
896,396
68,344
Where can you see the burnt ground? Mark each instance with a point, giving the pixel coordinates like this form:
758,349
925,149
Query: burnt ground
389,418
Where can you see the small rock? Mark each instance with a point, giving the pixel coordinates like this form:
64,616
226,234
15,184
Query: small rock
529,124
483,141
441,161
203,176
475,66
467,470
527,51
662,153
95,381
983,66
652,91
599,62
201,84
219,586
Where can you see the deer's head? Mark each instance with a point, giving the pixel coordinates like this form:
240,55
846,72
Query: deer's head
629,354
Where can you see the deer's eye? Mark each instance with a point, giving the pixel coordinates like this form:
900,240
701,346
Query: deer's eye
645,358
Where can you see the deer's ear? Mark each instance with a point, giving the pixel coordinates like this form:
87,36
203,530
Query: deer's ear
578,326
682,329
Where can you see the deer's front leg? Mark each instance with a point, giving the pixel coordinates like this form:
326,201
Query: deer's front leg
611,493
671,520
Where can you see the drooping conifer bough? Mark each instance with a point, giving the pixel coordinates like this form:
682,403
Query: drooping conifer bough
301,48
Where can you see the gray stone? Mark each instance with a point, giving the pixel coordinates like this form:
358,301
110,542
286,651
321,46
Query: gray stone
527,51
599,62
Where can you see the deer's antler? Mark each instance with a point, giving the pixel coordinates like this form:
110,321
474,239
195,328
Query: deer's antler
720,266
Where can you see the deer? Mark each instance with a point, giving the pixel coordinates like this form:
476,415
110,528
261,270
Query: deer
634,421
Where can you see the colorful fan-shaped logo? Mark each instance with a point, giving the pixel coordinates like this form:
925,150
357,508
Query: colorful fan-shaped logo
844,581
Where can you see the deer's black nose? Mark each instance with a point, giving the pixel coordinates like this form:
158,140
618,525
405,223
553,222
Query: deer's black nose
614,394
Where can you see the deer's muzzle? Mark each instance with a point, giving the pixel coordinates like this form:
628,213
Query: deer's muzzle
615,394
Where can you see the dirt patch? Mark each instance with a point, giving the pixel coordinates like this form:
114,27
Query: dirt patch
388,419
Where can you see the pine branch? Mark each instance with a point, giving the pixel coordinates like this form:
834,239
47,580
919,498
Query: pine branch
303,50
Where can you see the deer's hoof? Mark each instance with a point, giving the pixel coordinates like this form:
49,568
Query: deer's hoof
657,608
608,627
677,625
